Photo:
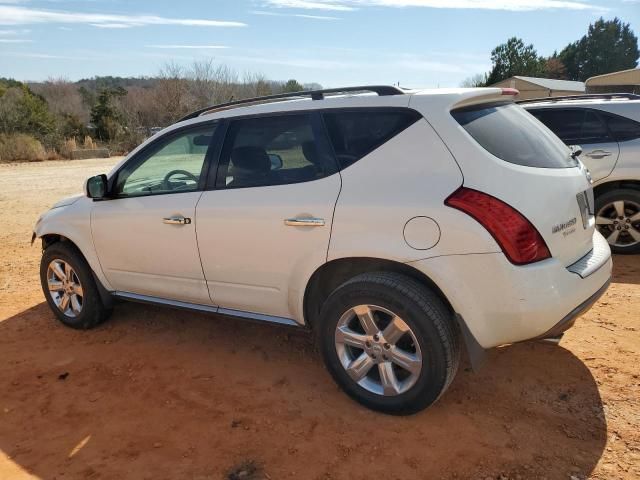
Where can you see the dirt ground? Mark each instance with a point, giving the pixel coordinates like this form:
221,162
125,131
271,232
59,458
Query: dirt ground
162,394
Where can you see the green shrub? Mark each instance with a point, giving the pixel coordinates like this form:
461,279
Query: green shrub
20,147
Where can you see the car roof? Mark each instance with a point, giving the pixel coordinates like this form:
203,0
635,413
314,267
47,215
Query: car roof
581,100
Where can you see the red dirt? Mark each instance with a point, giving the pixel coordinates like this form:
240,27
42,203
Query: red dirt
163,394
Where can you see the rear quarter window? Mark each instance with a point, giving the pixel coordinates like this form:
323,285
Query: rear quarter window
510,133
355,134
622,129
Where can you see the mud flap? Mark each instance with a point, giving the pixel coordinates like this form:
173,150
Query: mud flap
477,354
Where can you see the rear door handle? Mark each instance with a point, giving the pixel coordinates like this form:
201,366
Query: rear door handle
177,220
598,154
304,222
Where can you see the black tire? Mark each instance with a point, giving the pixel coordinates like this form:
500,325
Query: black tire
93,310
426,315
629,195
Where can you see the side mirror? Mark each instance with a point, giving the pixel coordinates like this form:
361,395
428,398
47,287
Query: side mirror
96,187
576,150
276,161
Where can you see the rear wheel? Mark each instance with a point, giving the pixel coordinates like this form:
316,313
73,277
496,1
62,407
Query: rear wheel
389,342
618,219
69,287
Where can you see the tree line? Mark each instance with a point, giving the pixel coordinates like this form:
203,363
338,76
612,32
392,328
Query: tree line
608,46
47,120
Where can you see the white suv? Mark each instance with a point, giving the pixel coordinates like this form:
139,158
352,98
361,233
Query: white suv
607,130
399,225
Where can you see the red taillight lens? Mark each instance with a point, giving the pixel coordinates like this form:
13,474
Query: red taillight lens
519,240
510,91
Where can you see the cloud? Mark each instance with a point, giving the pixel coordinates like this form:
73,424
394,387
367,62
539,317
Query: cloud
13,15
44,56
298,15
512,5
4,33
188,47
337,5
15,40
112,25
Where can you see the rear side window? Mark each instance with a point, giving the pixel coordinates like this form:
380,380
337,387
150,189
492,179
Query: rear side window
355,134
622,128
511,134
574,126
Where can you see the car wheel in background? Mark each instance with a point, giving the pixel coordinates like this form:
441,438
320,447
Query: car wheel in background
618,219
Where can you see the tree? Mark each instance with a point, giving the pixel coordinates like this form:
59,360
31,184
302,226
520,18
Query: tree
554,68
514,58
22,111
477,80
104,116
292,86
608,46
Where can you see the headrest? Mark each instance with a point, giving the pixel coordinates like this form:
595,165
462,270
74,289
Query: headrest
254,159
310,152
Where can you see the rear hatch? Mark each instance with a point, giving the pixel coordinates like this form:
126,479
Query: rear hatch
523,164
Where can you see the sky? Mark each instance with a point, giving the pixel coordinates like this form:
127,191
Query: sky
416,43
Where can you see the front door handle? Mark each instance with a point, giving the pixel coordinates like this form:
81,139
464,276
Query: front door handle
304,222
177,220
598,154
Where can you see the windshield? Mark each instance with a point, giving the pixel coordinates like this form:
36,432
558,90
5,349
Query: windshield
512,134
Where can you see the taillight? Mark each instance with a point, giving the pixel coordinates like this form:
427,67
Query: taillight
519,240
510,91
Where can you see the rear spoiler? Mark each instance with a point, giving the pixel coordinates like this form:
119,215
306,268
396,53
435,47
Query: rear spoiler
486,95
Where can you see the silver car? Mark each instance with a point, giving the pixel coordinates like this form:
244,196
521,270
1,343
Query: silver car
607,130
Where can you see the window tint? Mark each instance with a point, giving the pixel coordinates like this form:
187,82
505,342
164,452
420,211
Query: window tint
622,128
172,164
354,134
510,133
566,124
273,151
593,130
574,126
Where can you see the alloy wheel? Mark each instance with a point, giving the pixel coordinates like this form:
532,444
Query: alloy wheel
619,223
378,350
65,288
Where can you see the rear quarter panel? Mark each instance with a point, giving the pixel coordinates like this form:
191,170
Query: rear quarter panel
409,176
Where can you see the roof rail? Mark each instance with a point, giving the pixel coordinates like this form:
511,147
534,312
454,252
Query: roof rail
588,96
381,90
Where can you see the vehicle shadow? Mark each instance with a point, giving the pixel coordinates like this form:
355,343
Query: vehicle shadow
157,393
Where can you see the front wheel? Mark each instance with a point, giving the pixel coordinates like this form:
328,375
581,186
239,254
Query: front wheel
69,287
389,342
618,219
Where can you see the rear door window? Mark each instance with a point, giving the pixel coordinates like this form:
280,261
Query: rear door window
508,132
274,150
355,134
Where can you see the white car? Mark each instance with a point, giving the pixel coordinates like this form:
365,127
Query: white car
401,226
606,127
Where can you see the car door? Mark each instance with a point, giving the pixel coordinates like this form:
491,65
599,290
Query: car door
265,226
584,127
145,232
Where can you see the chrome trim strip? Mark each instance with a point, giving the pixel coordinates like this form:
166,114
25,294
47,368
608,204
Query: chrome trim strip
304,222
258,316
135,297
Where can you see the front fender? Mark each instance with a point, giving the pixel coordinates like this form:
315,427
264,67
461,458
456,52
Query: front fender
73,221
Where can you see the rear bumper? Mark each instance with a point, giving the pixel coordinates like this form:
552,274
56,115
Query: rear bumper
502,303
570,319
